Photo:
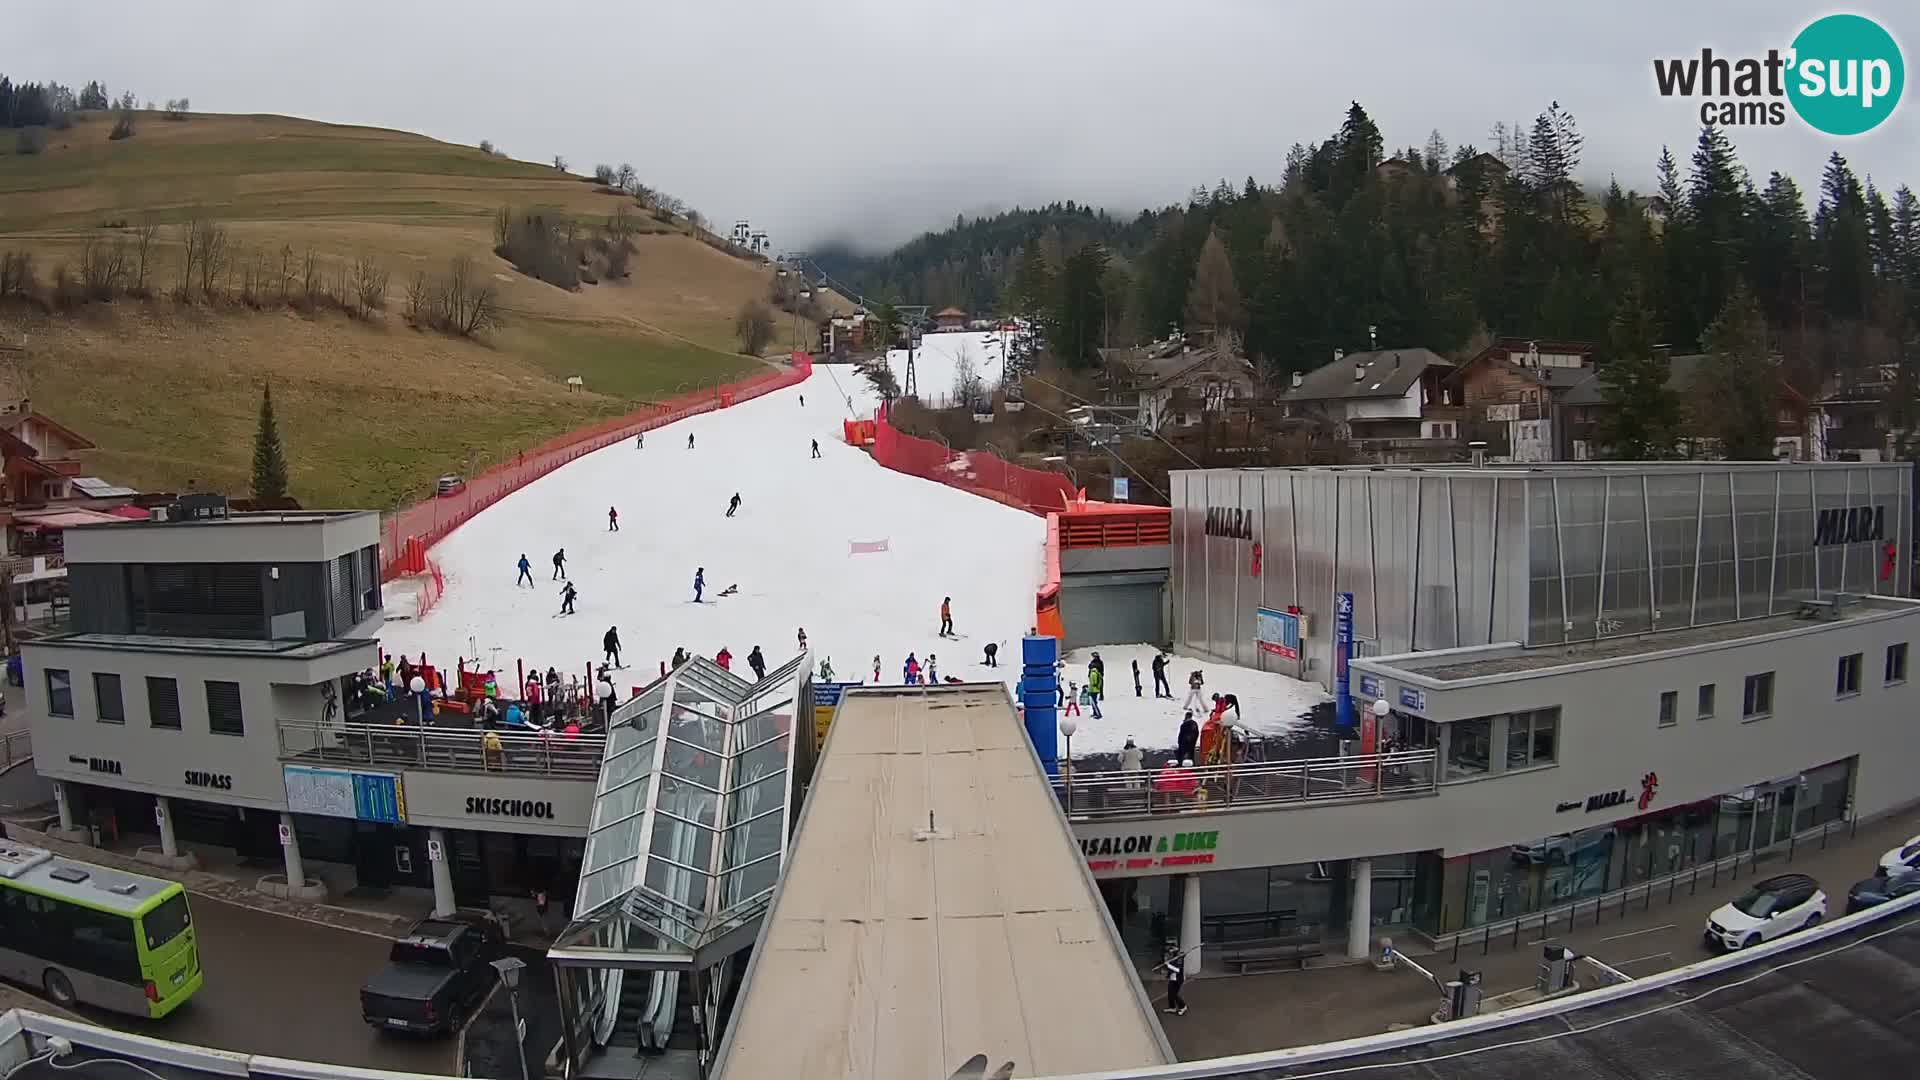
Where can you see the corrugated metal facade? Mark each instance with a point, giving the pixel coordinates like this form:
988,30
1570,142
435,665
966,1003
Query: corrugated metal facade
1439,558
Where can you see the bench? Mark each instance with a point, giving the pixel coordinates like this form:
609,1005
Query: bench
1298,950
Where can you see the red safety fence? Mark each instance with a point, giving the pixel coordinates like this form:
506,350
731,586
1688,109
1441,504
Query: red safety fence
979,471
430,520
431,586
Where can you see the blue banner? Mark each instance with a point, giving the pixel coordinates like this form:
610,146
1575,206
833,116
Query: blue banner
1342,653
378,798
828,693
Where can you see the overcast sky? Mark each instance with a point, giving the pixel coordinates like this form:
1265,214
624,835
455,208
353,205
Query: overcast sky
873,120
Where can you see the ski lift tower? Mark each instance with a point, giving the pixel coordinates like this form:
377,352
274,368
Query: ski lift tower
911,315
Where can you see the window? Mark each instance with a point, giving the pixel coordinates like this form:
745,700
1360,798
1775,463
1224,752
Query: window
106,698
1759,696
1531,738
1846,680
1896,663
223,708
1669,708
59,692
163,702
1706,701
1469,747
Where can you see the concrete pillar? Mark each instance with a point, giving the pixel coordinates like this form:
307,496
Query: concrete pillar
163,813
442,874
296,870
1190,925
1360,915
63,800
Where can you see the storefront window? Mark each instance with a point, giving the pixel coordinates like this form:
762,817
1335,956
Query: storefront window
1470,747
1532,738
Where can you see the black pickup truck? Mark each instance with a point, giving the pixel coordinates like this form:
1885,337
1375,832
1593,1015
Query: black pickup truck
435,975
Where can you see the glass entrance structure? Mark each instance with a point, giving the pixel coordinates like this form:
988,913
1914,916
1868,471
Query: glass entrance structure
701,776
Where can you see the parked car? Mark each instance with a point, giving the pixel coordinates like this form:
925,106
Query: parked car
1779,905
1904,857
449,485
1881,888
435,975
1560,848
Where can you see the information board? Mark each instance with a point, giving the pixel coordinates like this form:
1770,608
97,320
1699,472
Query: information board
344,794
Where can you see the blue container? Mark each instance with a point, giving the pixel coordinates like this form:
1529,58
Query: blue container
1039,691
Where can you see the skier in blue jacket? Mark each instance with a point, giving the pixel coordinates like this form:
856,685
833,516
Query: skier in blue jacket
526,572
699,583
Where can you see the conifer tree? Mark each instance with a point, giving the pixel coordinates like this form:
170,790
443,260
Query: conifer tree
269,456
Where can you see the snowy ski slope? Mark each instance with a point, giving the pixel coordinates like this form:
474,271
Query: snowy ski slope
936,364
788,549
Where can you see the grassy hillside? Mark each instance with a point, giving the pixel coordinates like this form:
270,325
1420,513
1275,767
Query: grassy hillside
371,411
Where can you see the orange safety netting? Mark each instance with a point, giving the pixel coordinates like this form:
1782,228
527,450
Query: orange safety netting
979,471
429,521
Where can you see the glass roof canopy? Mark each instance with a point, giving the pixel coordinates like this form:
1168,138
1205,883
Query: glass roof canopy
689,824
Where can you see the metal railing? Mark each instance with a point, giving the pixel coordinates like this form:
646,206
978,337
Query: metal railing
1107,793
15,747
541,753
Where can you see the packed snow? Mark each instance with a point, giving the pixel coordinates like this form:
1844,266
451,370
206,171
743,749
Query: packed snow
1271,705
937,362
856,554
791,549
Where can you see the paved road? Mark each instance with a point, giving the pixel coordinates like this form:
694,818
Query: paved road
286,987
1249,1014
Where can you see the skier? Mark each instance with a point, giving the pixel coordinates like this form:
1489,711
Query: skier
1223,702
803,639
1096,679
1195,683
1097,665
689,440
567,595
724,658
826,670
758,663
613,520
803,401
699,583
876,669
1073,699
559,565
816,448
730,590
640,440
611,644
532,696
993,654
679,657
933,669
1091,698
526,572
946,617
733,504
910,671
1160,687
1137,692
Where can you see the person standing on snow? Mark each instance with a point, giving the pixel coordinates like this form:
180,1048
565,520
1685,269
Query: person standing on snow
559,565
724,658
699,583
526,572
1189,739
1100,666
876,669
816,448
758,663
1137,692
567,595
733,504
1160,687
613,520
910,671
611,644
803,401
640,440
993,654
689,440
933,670
1195,683
803,639
1073,699
946,616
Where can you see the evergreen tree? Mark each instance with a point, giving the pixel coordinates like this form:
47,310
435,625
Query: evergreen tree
1077,329
1779,250
1736,391
1213,302
1842,248
1032,285
1642,422
269,456
1357,149
1716,223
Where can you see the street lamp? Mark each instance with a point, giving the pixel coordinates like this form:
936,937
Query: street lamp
1067,728
509,969
419,688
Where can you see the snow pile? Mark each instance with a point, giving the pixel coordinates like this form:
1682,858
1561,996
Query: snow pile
1271,705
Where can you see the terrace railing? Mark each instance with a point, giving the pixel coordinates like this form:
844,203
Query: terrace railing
409,746
1089,795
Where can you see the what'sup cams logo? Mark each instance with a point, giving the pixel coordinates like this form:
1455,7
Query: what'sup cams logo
1842,75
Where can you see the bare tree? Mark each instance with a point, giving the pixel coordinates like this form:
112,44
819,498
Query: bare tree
144,235
753,326
369,285
16,275
103,266
625,178
968,385
214,256
419,299
1214,300
310,283
559,163
189,255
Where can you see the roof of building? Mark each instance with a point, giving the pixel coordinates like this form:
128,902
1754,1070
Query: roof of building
242,517
274,650
1587,390
935,906
1831,1006
1381,373
1493,660
74,439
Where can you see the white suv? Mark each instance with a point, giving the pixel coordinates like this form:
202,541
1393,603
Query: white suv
1776,906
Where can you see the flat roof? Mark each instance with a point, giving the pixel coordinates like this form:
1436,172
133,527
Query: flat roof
276,650
240,517
1454,665
895,953
1840,1008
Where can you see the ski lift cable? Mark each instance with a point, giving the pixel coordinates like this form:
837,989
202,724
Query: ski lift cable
1137,474
1076,397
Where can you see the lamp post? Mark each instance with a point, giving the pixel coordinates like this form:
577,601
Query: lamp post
1381,709
419,687
509,969
1067,728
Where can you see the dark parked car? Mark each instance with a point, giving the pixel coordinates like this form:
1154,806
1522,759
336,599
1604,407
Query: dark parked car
1881,888
435,975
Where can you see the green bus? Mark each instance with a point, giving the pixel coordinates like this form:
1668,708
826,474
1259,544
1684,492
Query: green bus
93,935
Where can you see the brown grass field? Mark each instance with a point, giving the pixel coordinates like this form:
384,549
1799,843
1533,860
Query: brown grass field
370,411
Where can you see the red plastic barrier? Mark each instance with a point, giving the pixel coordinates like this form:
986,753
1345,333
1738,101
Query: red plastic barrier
979,471
430,520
